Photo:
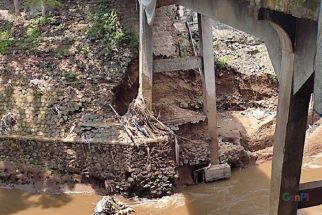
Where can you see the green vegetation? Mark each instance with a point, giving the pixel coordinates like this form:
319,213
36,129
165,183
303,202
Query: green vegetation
6,39
105,27
41,21
132,42
222,61
70,77
31,39
32,36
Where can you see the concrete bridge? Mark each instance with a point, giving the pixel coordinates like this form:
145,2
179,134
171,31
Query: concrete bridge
291,32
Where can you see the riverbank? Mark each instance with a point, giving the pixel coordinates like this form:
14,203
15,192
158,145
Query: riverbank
245,193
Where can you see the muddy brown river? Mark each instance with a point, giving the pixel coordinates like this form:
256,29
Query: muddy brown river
246,193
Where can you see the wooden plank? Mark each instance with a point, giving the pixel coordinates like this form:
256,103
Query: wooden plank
145,59
311,194
176,64
209,83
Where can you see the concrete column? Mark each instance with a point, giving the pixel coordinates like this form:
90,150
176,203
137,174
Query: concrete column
289,139
290,130
209,83
145,59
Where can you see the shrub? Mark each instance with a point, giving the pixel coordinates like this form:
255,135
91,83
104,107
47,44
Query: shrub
105,27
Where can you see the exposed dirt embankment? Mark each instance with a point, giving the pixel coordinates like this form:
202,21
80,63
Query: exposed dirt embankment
247,97
246,101
245,117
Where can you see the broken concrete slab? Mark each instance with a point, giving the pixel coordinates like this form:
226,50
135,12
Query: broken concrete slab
217,172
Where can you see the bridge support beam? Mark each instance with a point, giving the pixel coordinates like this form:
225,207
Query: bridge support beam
292,116
290,135
209,83
145,59
288,148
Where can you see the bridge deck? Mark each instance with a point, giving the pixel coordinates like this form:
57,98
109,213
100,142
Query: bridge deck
298,8
307,9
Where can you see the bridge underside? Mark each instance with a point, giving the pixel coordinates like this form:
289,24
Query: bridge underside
292,44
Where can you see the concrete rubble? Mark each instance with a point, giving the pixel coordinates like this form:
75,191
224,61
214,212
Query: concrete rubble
110,206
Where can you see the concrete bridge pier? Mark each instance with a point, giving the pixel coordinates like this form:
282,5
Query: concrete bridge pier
291,43
206,63
295,88
209,83
292,46
145,59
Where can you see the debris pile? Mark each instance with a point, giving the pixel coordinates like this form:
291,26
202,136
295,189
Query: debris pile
110,206
140,123
156,175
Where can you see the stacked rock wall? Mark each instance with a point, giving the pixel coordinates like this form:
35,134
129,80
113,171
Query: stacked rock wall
145,170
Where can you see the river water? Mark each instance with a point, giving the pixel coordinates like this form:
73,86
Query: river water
246,193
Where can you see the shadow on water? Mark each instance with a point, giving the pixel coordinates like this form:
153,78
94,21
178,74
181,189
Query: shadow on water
14,201
246,193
